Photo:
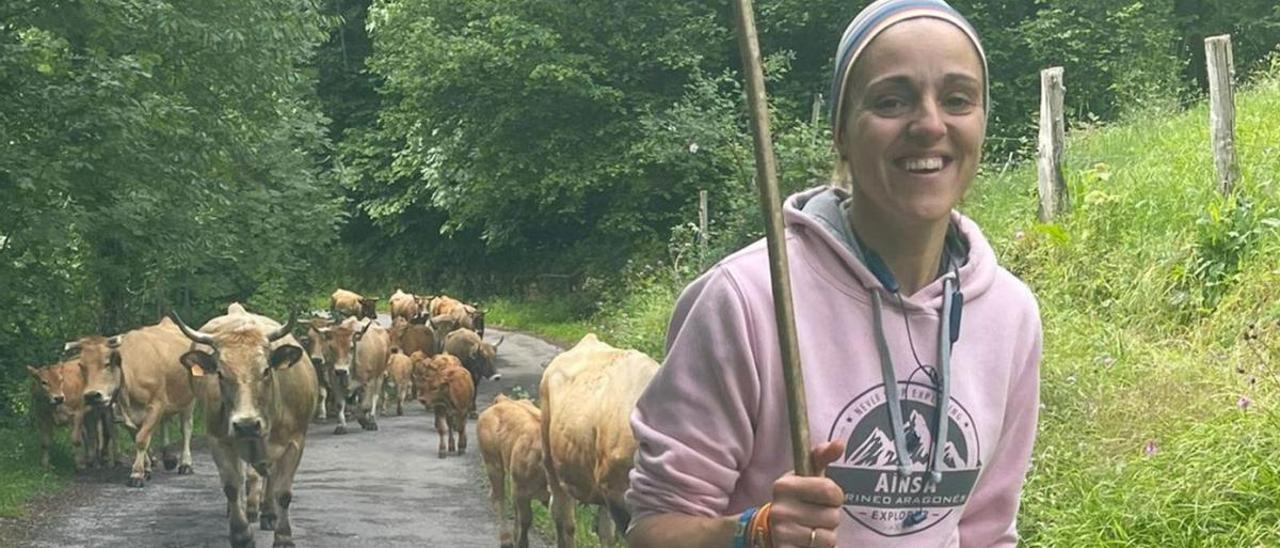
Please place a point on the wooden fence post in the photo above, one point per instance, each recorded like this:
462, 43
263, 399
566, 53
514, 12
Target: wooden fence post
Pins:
1052, 186
702, 228
1222, 109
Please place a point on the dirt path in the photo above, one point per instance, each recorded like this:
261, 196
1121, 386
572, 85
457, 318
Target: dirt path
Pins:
384, 488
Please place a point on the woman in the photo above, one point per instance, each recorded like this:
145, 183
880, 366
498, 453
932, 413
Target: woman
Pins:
885, 279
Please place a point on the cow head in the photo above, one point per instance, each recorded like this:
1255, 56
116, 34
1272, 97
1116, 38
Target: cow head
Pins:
369, 307
49, 381
244, 365
483, 356
340, 346
100, 362
398, 327
313, 342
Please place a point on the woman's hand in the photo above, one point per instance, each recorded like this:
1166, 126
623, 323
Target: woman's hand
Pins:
806, 510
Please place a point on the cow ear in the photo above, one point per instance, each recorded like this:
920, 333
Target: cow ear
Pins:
199, 362
285, 356
35, 373
114, 361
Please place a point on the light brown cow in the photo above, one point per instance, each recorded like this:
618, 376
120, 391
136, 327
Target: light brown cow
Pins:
587, 395
510, 437
444, 387
90, 430
345, 304
403, 305
412, 337
138, 377
400, 373
258, 390
358, 354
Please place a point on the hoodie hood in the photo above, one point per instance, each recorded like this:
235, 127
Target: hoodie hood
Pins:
977, 271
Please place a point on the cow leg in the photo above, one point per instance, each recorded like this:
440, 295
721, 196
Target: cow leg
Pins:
268, 504
402, 392
322, 396
253, 495
498, 496
170, 462
231, 471
562, 506
369, 403
188, 415
77, 439
605, 530
524, 519
442, 430
280, 488
341, 402
460, 425
142, 444
45, 425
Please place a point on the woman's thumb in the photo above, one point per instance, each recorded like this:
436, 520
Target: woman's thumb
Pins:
824, 454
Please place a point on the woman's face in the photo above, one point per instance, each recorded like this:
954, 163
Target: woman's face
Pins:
914, 121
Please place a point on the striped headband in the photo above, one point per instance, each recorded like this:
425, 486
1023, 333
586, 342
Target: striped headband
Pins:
871, 21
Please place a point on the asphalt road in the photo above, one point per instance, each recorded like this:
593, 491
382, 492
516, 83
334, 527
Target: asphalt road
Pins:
383, 488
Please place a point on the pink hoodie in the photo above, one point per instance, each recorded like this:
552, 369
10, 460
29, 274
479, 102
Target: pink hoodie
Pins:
712, 426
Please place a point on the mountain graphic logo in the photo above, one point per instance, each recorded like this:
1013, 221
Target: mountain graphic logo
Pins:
877, 449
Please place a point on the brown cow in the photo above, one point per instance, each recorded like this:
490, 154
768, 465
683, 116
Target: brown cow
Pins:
399, 372
90, 428
345, 304
138, 377
403, 305
588, 394
358, 354
510, 437
412, 337
476, 356
444, 387
258, 390
313, 343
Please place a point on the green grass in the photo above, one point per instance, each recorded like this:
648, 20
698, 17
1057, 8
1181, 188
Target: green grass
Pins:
21, 477
1145, 287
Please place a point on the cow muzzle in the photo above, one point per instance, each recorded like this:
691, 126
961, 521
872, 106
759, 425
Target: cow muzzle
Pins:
249, 427
97, 399
56, 400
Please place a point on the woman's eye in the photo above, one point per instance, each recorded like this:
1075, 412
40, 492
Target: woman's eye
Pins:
889, 105
958, 103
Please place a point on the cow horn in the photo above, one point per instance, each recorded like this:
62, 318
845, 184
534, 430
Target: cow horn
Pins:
73, 345
499, 343
113, 341
197, 336
284, 329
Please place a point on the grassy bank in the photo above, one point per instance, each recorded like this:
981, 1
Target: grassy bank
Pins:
1161, 308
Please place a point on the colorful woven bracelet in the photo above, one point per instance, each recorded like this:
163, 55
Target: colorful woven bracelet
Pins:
760, 534
741, 532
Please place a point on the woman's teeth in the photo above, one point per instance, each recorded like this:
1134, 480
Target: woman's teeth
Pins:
924, 164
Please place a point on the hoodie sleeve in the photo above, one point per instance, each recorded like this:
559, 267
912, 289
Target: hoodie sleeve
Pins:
693, 424
990, 517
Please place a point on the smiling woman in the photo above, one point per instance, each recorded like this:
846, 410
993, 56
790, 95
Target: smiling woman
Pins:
927, 440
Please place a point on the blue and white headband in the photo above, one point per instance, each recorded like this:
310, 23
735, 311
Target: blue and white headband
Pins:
873, 20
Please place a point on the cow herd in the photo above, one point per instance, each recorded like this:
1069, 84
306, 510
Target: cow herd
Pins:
260, 388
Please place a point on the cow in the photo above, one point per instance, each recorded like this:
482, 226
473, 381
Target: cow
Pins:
137, 376
445, 388
403, 305
258, 390
510, 437
399, 372
358, 354
90, 430
313, 343
344, 304
588, 393
412, 336
476, 355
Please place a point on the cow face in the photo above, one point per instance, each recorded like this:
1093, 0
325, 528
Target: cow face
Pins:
244, 365
369, 307
49, 382
484, 357
100, 363
340, 346
314, 341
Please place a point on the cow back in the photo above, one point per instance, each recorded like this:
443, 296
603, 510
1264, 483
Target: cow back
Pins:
151, 371
510, 433
371, 353
588, 394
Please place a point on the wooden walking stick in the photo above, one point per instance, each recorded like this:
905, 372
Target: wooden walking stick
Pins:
770, 205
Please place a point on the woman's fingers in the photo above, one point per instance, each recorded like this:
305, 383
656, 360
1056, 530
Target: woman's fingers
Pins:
817, 491
824, 454
792, 535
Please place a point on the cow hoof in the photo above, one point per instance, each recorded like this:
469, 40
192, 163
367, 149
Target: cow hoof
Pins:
442, 454
373, 426
170, 463
340, 430
473, 415
185, 470
267, 522
283, 543
243, 542
250, 516
399, 412
136, 482
148, 475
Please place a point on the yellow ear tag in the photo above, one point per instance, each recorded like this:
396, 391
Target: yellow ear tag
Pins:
197, 371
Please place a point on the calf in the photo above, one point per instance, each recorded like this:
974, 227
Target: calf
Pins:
359, 356
476, 356
510, 437
399, 372
446, 388
90, 429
